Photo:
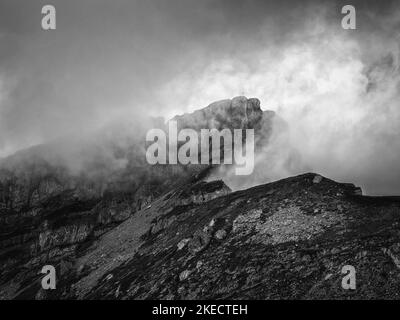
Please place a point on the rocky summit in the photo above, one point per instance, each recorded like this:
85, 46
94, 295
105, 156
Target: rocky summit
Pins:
172, 232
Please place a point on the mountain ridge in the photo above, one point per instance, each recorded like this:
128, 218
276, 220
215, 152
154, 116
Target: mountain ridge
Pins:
179, 232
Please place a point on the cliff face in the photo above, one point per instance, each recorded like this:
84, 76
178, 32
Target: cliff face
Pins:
239, 112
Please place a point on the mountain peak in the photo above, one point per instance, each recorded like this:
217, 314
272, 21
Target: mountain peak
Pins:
237, 113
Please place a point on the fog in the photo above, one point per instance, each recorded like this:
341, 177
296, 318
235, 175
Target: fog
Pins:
337, 89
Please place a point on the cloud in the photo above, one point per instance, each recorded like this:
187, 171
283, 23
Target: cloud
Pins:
341, 100
337, 89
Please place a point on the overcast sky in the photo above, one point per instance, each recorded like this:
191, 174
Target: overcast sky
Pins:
338, 89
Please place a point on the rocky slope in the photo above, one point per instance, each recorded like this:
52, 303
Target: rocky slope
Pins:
57, 197
170, 233
286, 239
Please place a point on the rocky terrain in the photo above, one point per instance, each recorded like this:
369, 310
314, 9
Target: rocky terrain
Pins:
171, 232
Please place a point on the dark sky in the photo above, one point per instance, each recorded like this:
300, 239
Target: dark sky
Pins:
338, 89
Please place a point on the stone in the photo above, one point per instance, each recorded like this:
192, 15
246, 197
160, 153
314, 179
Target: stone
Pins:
184, 275
328, 276
199, 264
117, 291
182, 243
220, 234
199, 241
317, 179
109, 277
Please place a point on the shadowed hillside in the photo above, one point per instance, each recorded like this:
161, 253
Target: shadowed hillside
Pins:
172, 232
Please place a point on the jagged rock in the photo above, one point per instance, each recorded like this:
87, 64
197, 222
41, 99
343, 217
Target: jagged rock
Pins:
239, 112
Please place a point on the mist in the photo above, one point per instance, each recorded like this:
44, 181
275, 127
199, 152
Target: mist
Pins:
337, 90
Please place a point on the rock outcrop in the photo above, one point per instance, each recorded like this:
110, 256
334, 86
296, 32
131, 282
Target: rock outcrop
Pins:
238, 113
